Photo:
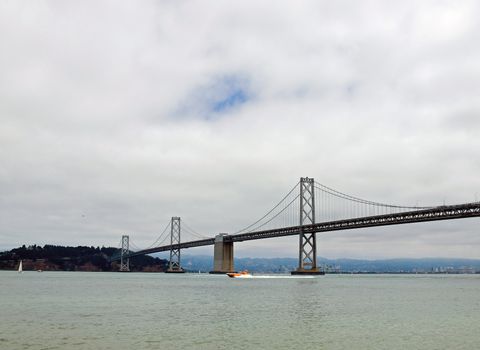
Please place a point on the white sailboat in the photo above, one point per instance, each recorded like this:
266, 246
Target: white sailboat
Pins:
20, 267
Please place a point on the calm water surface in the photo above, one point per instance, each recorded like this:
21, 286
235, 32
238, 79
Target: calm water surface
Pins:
79, 310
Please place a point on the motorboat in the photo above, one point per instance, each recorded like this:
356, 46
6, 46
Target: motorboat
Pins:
241, 274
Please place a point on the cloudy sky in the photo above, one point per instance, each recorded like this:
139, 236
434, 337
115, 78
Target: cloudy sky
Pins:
117, 115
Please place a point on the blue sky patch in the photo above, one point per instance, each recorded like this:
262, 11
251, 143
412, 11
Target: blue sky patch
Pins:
235, 98
216, 99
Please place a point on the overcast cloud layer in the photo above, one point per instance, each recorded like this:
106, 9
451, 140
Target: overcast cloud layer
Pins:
117, 115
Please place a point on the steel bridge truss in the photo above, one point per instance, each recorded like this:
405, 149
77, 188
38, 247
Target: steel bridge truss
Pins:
124, 254
174, 264
449, 212
434, 214
307, 260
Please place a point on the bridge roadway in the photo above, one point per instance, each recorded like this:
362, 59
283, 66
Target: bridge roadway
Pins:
447, 212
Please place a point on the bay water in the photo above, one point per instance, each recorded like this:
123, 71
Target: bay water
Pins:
83, 310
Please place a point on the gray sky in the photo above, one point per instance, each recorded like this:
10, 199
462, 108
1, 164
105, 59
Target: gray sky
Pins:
117, 115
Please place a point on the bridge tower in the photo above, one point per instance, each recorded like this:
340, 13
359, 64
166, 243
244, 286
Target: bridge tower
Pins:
174, 265
307, 260
125, 261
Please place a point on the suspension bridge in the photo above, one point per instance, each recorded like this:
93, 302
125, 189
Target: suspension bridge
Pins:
307, 209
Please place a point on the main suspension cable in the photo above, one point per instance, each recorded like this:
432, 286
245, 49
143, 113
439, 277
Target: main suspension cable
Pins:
275, 207
276, 215
339, 194
160, 236
192, 231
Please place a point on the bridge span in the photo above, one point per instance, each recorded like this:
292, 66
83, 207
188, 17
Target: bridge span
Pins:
384, 214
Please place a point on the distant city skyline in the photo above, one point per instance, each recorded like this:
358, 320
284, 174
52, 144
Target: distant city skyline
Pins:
116, 116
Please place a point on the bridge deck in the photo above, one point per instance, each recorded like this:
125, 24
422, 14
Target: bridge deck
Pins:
448, 212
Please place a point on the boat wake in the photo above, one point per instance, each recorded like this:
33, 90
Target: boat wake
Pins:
278, 277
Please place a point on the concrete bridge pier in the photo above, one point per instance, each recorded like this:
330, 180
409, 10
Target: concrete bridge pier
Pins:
222, 255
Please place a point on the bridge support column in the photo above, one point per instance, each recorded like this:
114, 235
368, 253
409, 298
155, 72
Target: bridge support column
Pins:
125, 262
174, 265
307, 261
222, 255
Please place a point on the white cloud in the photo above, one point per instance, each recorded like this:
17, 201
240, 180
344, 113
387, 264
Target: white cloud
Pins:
377, 99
